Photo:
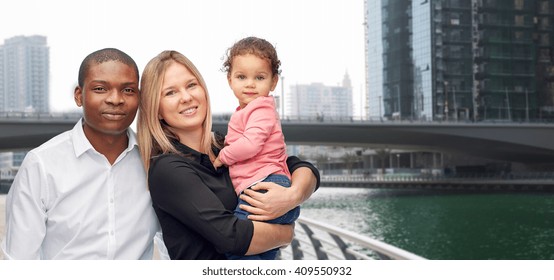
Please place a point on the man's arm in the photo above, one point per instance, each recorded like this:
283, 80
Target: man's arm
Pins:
25, 214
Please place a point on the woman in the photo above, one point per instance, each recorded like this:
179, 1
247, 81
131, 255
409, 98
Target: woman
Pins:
194, 202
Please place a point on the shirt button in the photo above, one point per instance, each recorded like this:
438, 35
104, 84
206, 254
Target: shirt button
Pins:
111, 200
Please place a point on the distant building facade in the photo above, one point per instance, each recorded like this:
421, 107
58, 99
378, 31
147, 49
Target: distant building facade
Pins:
460, 59
24, 85
24, 74
324, 103
317, 100
11, 159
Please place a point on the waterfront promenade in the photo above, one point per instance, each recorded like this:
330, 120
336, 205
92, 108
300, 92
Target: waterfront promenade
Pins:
529, 181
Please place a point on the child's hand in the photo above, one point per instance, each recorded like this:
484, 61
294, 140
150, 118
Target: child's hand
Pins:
217, 163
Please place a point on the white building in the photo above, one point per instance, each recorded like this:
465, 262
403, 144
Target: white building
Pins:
324, 103
24, 74
24, 84
318, 100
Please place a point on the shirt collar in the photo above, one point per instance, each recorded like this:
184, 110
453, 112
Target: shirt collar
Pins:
202, 159
132, 139
81, 144
185, 150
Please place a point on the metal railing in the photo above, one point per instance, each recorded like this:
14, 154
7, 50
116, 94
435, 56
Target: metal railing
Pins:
40, 116
513, 176
315, 240
292, 118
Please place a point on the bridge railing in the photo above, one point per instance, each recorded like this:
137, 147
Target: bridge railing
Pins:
315, 240
363, 119
40, 116
289, 118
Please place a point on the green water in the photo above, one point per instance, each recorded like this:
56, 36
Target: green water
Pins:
444, 225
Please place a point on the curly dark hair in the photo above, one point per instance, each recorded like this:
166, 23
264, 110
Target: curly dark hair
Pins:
255, 46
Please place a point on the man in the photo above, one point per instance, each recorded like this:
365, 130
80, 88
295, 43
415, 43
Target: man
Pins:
83, 194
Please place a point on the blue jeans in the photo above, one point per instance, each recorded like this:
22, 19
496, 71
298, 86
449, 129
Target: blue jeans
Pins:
287, 218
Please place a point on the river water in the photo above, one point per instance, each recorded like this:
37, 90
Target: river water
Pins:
444, 225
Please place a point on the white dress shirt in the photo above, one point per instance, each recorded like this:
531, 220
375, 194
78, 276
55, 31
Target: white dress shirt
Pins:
68, 202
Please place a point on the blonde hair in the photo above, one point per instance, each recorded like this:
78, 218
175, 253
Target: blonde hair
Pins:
154, 135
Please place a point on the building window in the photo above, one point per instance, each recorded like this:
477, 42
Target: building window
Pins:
519, 36
544, 7
545, 56
545, 39
545, 23
519, 20
519, 4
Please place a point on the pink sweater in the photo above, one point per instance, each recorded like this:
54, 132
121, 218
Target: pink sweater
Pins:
254, 145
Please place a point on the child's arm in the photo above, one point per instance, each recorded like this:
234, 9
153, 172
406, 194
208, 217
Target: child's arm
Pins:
262, 117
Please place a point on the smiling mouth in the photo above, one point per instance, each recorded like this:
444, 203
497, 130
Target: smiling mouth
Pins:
114, 116
189, 111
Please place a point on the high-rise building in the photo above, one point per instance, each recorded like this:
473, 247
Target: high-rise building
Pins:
461, 59
24, 74
324, 103
24, 84
373, 59
318, 100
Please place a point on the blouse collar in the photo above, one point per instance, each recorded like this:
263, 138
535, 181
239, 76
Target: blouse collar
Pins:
197, 156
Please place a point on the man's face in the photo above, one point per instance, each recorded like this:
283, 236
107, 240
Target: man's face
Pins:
110, 98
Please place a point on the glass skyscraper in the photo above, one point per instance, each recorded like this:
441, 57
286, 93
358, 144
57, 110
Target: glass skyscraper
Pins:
467, 60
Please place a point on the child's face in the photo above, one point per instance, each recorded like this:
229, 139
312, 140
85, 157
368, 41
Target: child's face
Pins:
251, 77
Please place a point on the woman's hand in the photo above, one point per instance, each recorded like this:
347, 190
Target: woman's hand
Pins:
275, 202
278, 200
217, 163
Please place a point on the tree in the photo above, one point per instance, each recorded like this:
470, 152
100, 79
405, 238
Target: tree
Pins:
321, 160
349, 159
382, 155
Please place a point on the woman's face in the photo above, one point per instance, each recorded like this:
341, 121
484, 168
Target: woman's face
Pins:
183, 103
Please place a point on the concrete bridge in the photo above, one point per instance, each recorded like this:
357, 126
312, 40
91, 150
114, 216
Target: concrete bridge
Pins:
508, 141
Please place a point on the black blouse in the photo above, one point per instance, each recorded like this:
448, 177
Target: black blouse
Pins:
194, 204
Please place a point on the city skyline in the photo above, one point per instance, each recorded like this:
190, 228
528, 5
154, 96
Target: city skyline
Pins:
460, 60
317, 41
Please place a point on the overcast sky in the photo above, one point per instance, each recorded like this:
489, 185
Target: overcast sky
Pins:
316, 40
